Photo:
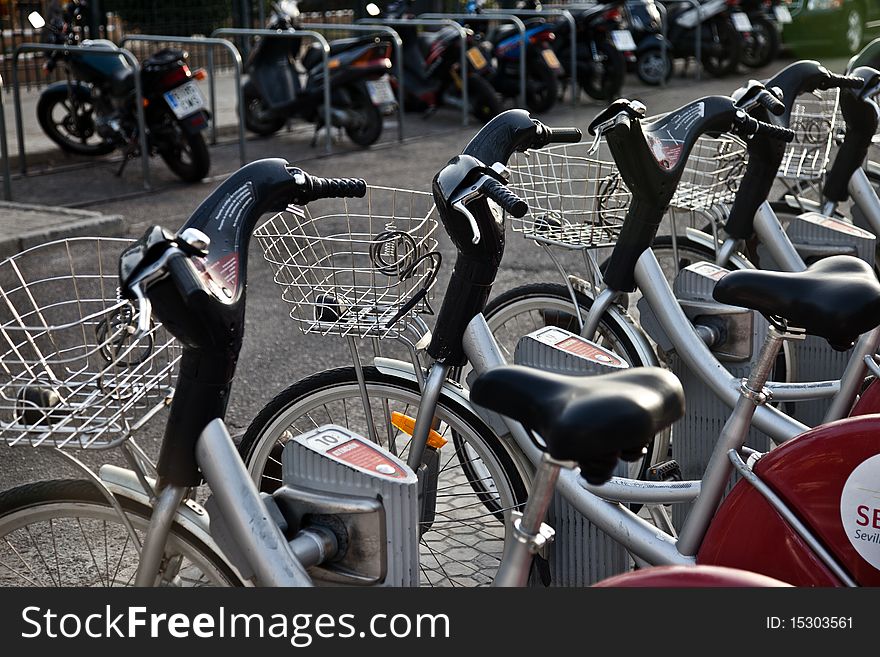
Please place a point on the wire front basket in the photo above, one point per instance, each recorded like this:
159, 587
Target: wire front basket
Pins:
576, 198
355, 267
813, 119
712, 174
73, 370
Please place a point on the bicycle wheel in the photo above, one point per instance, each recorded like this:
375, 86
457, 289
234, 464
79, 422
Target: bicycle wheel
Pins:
65, 533
527, 308
463, 542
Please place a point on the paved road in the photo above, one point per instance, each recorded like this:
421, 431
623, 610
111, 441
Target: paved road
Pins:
275, 353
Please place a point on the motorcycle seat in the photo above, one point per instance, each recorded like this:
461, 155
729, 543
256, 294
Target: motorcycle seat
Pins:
593, 11
836, 298
427, 39
312, 56
587, 419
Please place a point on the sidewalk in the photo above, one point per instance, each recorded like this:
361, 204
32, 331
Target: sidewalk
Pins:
23, 225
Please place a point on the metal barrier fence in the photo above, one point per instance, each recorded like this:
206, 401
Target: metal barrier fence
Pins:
212, 92
291, 34
572, 25
510, 18
431, 22
91, 50
4, 151
397, 43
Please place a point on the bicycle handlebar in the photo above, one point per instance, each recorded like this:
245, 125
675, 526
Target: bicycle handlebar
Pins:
835, 81
747, 127
512, 131
510, 202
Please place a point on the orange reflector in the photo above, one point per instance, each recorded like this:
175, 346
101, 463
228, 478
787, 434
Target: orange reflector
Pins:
200, 74
408, 425
146, 102
333, 63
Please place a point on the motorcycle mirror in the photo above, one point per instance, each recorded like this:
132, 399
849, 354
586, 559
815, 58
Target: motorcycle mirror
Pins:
373, 9
36, 20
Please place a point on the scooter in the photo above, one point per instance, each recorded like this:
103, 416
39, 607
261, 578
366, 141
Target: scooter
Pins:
543, 69
93, 111
654, 62
767, 18
431, 67
721, 44
274, 93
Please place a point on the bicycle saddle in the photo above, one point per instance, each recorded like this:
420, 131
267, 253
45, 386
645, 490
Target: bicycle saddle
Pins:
837, 298
589, 419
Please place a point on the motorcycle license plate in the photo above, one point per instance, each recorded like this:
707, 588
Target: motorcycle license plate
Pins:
380, 92
476, 59
741, 22
783, 15
185, 99
550, 59
623, 40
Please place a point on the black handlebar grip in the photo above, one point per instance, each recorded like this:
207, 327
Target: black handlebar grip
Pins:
843, 82
337, 188
564, 135
772, 103
776, 132
511, 203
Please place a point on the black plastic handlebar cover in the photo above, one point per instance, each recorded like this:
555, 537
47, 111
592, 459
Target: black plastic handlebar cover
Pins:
507, 133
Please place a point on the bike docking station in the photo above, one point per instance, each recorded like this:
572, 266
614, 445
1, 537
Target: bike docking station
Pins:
212, 43
396, 43
4, 149
572, 26
90, 50
294, 34
428, 22
508, 18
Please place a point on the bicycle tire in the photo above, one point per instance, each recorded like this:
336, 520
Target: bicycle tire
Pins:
452, 558
63, 504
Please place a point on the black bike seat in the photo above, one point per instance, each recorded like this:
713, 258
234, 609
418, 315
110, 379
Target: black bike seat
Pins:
585, 418
836, 298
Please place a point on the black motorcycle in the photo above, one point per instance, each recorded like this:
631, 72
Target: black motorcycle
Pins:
721, 41
654, 61
93, 111
274, 92
432, 69
766, 17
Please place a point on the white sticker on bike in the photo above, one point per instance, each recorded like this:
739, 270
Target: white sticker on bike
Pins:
860, 510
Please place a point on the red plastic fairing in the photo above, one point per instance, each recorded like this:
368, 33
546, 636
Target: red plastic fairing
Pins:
690, 577
869, 401
809, 474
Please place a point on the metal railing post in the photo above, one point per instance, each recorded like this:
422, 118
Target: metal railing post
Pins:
4, 150
325, 58
237, 70
664, 32
91, 50
698, 38
572, 25
396, 41
419, 22
521, 28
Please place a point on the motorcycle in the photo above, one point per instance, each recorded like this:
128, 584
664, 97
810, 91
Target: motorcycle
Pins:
720, 27
432, 70
767, 18
273, 91
654, 61
543, 69
93, 111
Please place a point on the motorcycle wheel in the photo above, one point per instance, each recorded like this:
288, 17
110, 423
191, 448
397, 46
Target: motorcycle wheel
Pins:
541, 86
652, 67
258, 118
369, 124
765, 44
727, 56
188, 156
603, 80
484, 102
71, 124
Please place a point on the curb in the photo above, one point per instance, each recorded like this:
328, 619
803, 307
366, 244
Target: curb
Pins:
25, 225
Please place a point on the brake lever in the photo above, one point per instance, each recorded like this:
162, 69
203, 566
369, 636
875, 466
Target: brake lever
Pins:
460, 206
145, 311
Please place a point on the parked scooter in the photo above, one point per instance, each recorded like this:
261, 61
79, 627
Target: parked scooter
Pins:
432, 67
543, 69
654, 62
767, 18
93, 111
721, 43
274, 93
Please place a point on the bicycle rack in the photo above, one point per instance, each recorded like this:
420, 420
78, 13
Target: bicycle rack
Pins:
212, 92
4, 151
510, 18
572, 25
398, 51
290, 34
138, 93
424, 22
